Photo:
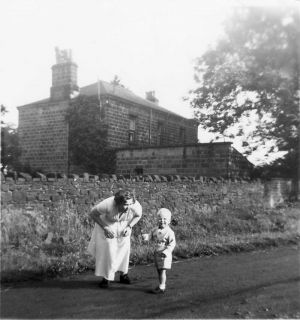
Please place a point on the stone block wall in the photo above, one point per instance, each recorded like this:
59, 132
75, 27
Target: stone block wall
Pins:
118, 114
279, 190
204, 159
43, 131
116, 117
151, 194
238, 164
43, 136
180, 195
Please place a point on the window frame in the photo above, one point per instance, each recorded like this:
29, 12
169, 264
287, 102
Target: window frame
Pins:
132, 130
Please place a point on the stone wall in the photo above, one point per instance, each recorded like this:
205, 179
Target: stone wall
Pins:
238, 164
180, 194
43, 131
204, 159
171, 194
118, 114
43, 135
279, 190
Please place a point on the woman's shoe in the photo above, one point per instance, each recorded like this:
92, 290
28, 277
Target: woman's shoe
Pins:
124, 279
104, 283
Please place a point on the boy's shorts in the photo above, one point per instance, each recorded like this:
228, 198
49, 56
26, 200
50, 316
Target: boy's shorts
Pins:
162, 263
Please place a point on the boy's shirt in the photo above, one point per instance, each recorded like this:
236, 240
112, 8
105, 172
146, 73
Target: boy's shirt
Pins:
164, 240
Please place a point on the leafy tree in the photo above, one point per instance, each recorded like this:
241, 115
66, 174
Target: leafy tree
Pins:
281, 167
3, 112
88, 137
248, 84
9, 144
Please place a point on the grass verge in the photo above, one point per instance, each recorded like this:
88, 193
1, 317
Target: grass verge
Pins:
52, 241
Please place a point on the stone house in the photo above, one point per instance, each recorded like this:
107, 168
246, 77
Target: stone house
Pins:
146, 137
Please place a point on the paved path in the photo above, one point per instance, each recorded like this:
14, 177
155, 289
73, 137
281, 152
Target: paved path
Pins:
261, 284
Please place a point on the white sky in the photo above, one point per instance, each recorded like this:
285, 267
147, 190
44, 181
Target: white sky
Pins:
149, 44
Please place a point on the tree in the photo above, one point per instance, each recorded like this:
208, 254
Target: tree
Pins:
248, 84
9, 144
87, 137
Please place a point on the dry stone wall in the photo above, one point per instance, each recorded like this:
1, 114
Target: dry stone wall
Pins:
153, 192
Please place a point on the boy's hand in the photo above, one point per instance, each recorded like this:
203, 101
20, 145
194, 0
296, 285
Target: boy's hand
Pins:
145, 237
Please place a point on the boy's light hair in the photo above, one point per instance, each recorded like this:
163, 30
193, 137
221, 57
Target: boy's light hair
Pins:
163, 212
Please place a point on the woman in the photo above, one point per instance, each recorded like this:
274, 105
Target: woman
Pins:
110, 242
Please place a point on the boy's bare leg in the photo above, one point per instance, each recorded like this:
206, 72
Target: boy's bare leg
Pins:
162, 277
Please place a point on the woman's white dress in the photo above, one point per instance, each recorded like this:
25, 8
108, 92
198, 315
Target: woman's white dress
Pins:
112, 255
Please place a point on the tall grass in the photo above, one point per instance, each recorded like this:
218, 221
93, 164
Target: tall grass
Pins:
216, 230
48, 241
52, 241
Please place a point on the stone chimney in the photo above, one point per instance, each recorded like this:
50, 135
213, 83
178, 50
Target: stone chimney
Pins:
150, 95
64, 76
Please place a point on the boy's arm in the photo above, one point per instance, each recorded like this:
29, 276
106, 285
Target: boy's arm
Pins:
170, 245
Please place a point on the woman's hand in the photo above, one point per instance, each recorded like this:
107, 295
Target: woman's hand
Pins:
126, 231
108, 233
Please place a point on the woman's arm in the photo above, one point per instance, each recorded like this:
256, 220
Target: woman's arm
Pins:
95, 216
137, 214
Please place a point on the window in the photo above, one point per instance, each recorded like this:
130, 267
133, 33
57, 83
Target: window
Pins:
139, 170
132, 123
131, 137
182, 135
132, 130
160, 133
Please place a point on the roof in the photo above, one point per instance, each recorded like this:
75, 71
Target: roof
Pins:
121, 92
35, 102
118, 91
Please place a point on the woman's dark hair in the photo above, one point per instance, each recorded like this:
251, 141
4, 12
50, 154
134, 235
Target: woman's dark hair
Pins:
123, 195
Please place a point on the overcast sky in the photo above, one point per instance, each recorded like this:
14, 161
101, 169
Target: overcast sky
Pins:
149, 44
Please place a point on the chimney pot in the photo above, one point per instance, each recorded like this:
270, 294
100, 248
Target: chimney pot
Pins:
150, 95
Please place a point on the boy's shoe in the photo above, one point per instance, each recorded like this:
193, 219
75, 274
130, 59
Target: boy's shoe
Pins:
124, 279
158, 290
104, 283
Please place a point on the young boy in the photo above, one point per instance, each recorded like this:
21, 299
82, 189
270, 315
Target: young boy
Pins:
164, 239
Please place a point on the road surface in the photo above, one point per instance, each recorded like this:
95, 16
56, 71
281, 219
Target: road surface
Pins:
260, 284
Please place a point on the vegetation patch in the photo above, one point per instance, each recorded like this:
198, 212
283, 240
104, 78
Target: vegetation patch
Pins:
53, 241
